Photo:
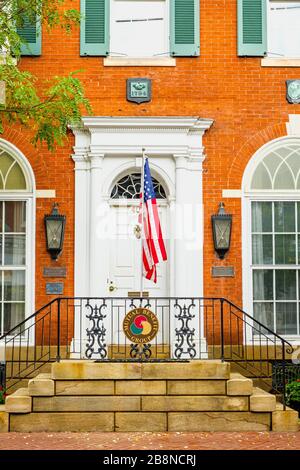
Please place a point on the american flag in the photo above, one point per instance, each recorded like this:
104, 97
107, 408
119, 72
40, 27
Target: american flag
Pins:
153, 244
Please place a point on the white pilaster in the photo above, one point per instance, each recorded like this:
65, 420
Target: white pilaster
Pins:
181, 266
82, 220
81, 255
97, 265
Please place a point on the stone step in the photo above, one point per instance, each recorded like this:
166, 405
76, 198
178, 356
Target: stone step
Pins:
18, 402
62, 422
141, 387
140, 422
239, 385
86, 404
196, 387
87, 370
137, 403
285, 420
134, 387
261, 401
3, 419
85, 387
41, 385
191, 396
195, 403
219, 421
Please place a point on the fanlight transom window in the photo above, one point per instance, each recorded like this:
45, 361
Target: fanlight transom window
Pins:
279, 170
129, 187
11, 173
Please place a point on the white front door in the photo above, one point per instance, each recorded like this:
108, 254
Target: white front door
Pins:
125, 254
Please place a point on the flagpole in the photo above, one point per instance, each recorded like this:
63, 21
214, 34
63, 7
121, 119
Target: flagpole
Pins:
142, 219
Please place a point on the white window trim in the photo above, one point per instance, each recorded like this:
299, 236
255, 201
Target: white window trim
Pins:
282, 62
247, 198
139, 62
30, 198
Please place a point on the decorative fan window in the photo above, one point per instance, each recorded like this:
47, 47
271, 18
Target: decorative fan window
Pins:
279, 170
11, 174
129, 187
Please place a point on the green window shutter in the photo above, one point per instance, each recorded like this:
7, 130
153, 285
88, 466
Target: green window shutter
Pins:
252, 27
31, 33
94, 28
185, 27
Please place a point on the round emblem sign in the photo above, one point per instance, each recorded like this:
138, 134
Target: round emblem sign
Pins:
140, 325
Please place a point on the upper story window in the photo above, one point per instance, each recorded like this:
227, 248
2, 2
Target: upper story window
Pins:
269, 28
283, 29
139, 28
129, 28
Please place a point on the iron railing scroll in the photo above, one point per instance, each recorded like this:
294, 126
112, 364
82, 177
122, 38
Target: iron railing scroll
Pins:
189, 329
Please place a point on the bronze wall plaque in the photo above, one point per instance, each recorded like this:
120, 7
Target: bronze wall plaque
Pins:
54, 288
60, 271
137, 294
222, 271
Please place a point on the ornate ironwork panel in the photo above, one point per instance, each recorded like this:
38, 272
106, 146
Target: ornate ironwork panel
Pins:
185, 335
96, 334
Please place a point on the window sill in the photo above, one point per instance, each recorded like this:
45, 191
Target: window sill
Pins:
274, 62
139, 62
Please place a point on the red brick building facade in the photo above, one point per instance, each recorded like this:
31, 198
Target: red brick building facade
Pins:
244, 96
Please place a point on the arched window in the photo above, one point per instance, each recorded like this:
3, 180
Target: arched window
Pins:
272, 183
278, 170
11, 174
129, 187
13, 240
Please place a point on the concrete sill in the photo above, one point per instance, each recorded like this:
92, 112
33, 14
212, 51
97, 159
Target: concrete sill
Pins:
139, 62
271, 62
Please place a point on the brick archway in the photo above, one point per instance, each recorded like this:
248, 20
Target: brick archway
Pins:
255, 142
21, 139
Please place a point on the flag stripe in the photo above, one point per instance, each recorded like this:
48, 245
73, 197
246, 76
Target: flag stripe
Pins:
153, 245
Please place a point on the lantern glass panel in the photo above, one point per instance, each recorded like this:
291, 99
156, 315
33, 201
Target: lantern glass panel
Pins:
222, 232
54, 233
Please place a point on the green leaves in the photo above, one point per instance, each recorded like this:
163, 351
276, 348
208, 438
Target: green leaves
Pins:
49, 107
293, 392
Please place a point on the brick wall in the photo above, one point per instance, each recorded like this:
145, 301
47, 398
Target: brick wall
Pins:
246, 101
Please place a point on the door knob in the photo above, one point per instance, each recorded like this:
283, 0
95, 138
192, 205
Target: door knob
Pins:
112, 287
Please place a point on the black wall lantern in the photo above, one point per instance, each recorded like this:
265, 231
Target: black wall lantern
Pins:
55, 231
221, 226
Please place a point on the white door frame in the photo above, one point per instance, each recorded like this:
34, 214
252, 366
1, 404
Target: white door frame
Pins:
105, 148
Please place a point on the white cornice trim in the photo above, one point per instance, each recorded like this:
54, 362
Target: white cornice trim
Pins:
183, 124
137, 150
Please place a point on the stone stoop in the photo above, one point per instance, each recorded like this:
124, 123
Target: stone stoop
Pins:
86, 396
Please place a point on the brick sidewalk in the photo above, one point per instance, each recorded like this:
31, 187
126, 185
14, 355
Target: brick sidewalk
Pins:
151, 441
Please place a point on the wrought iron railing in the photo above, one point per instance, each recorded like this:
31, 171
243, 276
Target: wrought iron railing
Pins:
189, 329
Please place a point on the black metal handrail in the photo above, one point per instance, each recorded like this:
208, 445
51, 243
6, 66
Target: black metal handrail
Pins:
189, 328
